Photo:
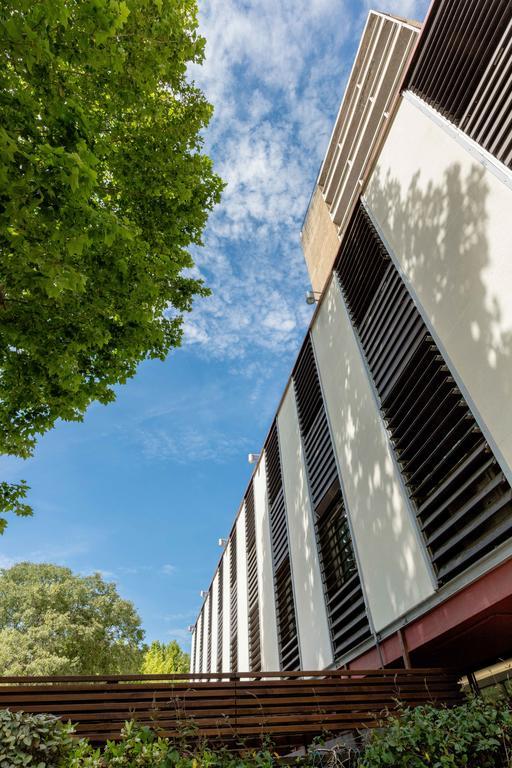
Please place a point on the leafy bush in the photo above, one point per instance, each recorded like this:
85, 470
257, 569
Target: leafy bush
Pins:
477, 734
474, 735
141, 747
33, 741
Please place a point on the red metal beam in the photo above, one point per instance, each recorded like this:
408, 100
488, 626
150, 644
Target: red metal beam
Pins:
482, 609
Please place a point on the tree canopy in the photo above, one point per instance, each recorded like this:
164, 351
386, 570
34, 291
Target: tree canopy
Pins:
165, 658
53, 621
104, 186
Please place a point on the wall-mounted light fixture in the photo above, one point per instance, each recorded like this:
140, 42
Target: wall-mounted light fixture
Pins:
222, 542
203, 592
252, 458
312, 297
190, 628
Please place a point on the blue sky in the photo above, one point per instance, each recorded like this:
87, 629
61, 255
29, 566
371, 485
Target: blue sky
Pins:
142, 490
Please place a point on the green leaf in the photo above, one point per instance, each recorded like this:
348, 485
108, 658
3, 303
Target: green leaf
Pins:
105, 191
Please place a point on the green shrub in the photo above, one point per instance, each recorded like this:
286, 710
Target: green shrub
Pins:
141, 747
474, 735
33, 741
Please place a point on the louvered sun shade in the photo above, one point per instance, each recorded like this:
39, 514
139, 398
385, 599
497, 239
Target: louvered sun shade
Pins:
464, 69
461, 497
288, 640
346, 609
220, 615
200, 630
233, 605
252, 583
209, 633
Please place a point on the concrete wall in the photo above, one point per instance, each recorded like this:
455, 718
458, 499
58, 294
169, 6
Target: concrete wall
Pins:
226, 667
268, 624
315, 644
394, 566
447, 219
215, 619
241, 588
319, 240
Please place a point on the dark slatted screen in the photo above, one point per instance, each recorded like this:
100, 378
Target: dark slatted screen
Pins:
252, 583
462, 499
463, 68
234, 606
209, 633
342, 585
288, 640
200, 624
220, 615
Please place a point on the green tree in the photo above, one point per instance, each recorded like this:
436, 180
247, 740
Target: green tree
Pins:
165, 658
103, 187
53, 621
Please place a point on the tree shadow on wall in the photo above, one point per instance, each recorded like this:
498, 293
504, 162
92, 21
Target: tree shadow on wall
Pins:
443, 234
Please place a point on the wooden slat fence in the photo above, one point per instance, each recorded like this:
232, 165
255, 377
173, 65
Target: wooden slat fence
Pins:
290, 707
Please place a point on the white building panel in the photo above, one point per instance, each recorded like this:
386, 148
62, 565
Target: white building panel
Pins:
206, 613
446, 217
215, 619
313, 630
395, 573
241, 586
268, 624
226, 623
192, 651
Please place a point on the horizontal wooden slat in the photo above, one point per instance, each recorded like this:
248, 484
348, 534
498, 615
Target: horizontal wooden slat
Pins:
282, 705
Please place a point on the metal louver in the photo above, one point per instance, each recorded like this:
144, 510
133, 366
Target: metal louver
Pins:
288, 640
200, 648
209, 633
462, 500
252, 583
233, 648
464, 69
220, 614
346, 609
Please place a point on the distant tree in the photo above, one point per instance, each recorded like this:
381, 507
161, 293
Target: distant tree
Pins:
103, 188
53, 621
165, 658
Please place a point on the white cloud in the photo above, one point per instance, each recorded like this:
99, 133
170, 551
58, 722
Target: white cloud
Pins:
181, 634
407, 9
274, 75
168, 569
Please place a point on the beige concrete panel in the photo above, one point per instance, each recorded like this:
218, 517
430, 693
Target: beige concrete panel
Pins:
215, 619
226, 619
266, 599
447, 219
392, 559
241, 588
314, 639
319, 240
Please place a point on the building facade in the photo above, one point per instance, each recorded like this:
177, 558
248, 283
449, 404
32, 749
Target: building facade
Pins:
377, 526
